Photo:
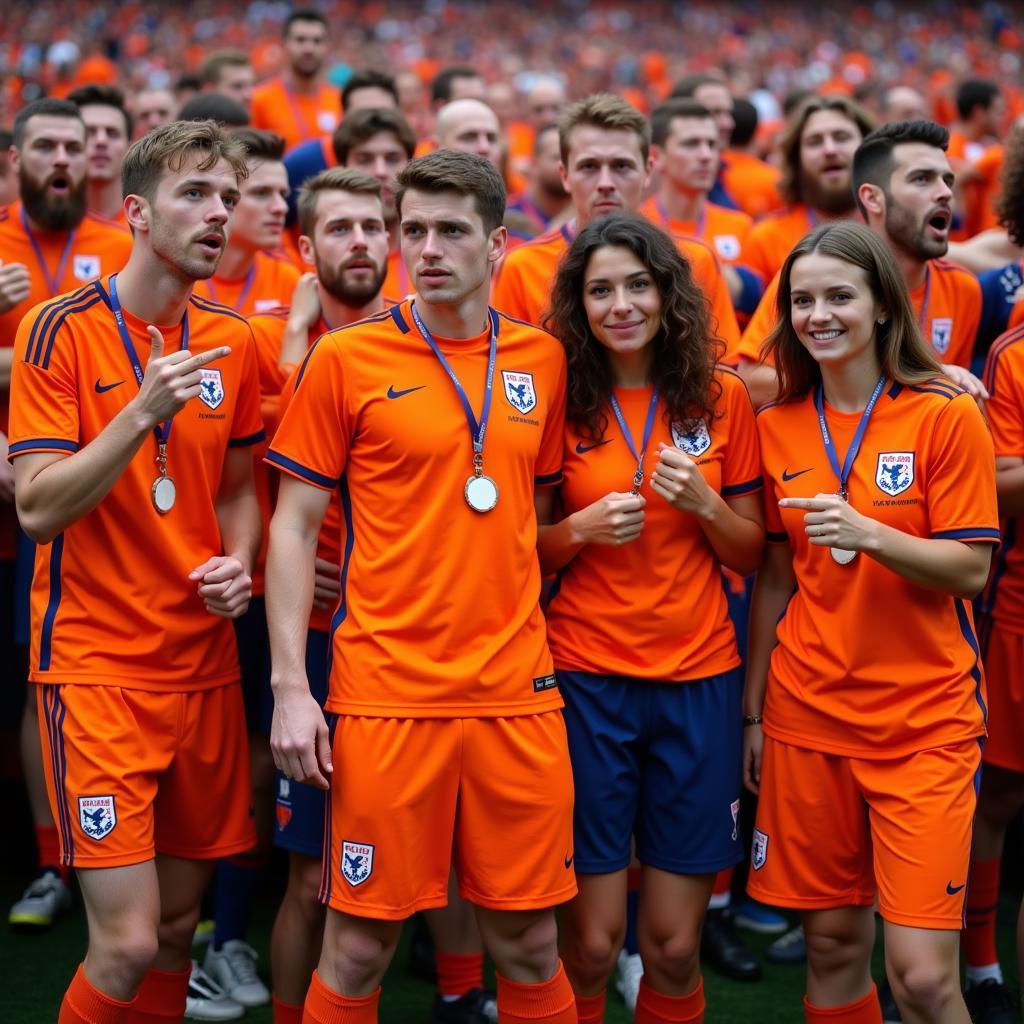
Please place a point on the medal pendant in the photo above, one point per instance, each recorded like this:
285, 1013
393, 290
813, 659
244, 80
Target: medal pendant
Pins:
638, 480
481, 493
164, 494
841, 556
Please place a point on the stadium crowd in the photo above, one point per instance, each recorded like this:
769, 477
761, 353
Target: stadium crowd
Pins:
516, 459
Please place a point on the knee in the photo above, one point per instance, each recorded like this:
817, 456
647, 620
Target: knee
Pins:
303, 891
524, 945
177, 929
674, 954
924, 985
120, 956
591, 953
358, 959
831, 951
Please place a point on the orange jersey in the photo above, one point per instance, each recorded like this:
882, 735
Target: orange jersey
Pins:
397, 281
112, 603
751, 183
654, 608
297, 117
269, 284
523, 287
867, 663
723, 229
439, 612
769, 242
947, 305
1004, 380
989, 185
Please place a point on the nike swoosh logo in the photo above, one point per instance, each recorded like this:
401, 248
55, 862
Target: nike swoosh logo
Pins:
392, 393
100, 388
787, 476
582, 449
568, 861
953, 889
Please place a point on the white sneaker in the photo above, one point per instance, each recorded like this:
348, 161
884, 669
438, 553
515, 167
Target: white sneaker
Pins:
46, 898
233, 967
627, 978
206, 999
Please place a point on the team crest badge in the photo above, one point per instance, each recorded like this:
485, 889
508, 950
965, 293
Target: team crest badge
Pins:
759, 853
211, 388
356, 862
86, 268
691, 437
97, 815
728, 246
895, 472
283, 813
942, 334
519, 390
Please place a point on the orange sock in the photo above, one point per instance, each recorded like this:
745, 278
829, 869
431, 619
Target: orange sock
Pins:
325, 1006
458, 973
657, 1008
48, 847
161, 997
550, 1002
590, 1009
285, 1013
864, 1011
979, 937
84, 1004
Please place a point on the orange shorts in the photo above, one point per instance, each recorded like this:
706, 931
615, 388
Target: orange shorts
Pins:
837, 831
132, 773
1004, 680
410, 794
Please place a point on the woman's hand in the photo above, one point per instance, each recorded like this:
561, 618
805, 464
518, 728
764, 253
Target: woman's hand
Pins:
831, 522
615, 519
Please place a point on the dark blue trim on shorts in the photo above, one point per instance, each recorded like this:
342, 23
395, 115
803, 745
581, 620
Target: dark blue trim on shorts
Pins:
54, 712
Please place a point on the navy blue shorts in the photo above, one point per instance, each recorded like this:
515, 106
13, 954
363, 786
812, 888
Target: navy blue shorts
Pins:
660, 761
299, 810
254, 662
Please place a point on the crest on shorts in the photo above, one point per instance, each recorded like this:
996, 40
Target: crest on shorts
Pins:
86, 268
942, 334
519, 390
895, 472
759, 852
211, 388
691, 437
97, 815
356, 862
735, 808
728, 246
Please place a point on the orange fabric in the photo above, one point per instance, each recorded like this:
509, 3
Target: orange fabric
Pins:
414, 635
325, 1006
1003, 651
48, 848
770, 241
71, 377
670, 571
161, 997
722, 229
751, 183
273, 281
657, 1008
523, 288
459, 973
989, 185
590, 1009
864, 1011
723, 882
397, 281
445, 788
829, 688
294, 116
285, 1013
550, 1002
84, 1004
134, 766
872, 832
1016, 314
948, 323
980, 158
979, 937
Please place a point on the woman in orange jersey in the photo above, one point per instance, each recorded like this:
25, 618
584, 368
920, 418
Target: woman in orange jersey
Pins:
660, 479
863, 661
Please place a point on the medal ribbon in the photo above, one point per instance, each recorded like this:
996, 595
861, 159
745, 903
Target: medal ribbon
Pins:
701, 220
300, 120
638, 476
162, 431
843, 475
53, 283
477, 430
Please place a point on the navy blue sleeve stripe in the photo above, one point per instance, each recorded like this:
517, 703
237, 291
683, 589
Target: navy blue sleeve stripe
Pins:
977, 532
305, 360
395, 312
744, 488
52, 338
208, 306
45, 325
283, 462
245, 442
43, 444
550, 478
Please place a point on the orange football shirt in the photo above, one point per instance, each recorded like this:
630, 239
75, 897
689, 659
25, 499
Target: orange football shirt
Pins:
721, 228
751, 183
867, 663
112, 603
269, 284
439, 615
654, 608
296, 117
770, 241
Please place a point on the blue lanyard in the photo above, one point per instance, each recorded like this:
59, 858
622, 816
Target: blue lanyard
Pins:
569, 232
638, 476
477, 430
243, 295
53, 283
162, 431
843, 475
666, 220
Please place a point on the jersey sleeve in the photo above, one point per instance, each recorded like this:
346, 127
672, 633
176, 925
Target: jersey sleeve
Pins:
1005, 407
312, 442
45, 409
960, 482
741, 466
247, 428
761, 324
509, 288
969, 304
752, 251
552, 443
775, 531
267, 334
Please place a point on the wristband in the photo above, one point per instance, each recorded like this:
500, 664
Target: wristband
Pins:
752, 720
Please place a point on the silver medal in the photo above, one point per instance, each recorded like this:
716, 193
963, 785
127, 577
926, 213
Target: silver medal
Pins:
164, 494
842, 556
481, 493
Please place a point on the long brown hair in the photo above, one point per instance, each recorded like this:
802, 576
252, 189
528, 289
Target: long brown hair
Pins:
902, 351
685, 351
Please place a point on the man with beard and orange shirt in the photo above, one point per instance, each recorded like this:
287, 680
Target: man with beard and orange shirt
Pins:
108, 132
48, 245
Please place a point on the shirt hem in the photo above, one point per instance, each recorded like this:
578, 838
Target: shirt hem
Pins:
876, 752
55, 678
359, 710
